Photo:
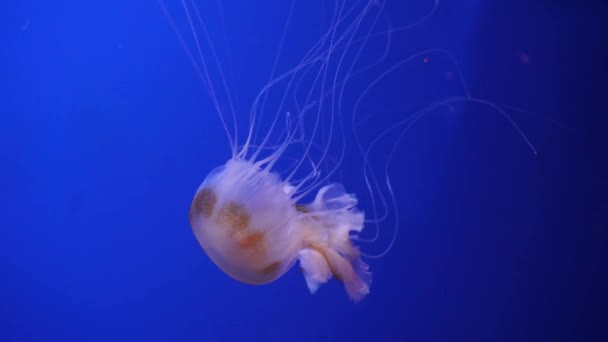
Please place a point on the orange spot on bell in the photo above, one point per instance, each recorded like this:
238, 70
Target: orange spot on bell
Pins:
254, 240
234, 216
272, 268
203, 203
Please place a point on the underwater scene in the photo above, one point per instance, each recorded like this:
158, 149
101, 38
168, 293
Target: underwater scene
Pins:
290, 170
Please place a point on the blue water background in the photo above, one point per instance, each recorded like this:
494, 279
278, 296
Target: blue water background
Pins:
106, 132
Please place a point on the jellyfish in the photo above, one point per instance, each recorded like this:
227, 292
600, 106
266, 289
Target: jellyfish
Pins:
254, 223
246, 219
255, 220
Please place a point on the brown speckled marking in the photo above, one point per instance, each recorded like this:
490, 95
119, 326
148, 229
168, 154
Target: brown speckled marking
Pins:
271, 269
254, 240
234, 216
204, 203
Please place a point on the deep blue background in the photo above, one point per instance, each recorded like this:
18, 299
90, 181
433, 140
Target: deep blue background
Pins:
105, 135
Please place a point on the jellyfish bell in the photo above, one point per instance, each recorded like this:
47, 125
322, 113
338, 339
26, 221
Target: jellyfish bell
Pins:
247, 221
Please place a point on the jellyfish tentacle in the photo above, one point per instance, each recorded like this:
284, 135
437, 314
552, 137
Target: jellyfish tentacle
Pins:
220, 70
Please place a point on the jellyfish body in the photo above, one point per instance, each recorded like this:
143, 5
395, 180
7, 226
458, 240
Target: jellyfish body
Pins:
250, 221
254, 224
246, 220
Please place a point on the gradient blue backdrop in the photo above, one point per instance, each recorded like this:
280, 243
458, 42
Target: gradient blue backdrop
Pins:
106, 133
